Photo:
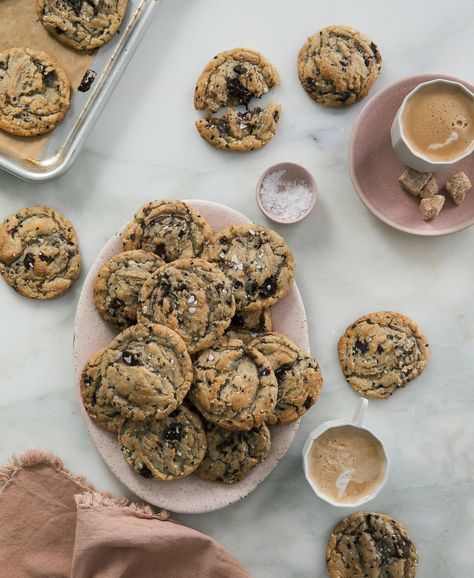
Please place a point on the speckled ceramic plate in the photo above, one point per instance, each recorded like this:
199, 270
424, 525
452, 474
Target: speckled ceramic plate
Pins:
374, 168
191, 494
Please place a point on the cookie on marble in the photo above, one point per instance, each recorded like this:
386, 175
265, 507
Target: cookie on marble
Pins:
241, 131
297, 373
370, 544
231, 455
381, 353
93, 396
118, 285
39, 254
338, 66
457, 187
413, 181
168, 449
234, 386
169, 229
82, 24
233, 78
191, 296
430, 207
35, 92
246, 326
146, 372
257, 261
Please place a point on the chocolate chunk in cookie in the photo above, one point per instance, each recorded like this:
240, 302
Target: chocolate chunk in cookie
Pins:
166, 450
257, 261
39, 255
247, 326
34, 92
382, 352
367, 544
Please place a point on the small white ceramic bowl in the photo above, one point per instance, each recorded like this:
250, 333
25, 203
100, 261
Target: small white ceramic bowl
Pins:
293, 172
407, 155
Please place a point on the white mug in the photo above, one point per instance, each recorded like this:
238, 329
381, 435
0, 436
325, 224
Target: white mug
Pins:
407, 155
357, 421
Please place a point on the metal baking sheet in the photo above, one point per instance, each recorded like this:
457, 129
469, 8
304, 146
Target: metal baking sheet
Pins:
51, 155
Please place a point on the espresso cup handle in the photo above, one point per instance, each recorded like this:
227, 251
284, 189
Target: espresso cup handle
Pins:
359, 414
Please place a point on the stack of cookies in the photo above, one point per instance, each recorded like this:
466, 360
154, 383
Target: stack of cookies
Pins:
196, 375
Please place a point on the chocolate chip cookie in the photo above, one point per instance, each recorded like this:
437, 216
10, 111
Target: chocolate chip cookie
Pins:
119, 282
146, 372
366, 544
166, 450
234, 386
257, 261
241, 131
39, 255
234, 77
338, 66
82, 24
191, 296
170, 229
232, 454
93, 396
382, 352
246, 326
34, 92
298, 376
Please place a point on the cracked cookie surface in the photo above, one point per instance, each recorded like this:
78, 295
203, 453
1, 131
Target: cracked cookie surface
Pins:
246, 326
381, 352
234, 386
170, 229
166, 450
39, 254
370, 544
81, 24
34, 92
231, 455
191, 296
118, 284
297, 373
257, 261
146, 372
338, 66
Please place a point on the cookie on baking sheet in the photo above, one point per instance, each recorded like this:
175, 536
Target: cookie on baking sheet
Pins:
232, 454
146, 372
166, 450
81, 24
257, 261
234, 386
118, 285
93, 396
234, 77
338, 66
39, 254
35, 92
298, 376
241, 131
369, 544
191, 296
382, 352
246, 326
170, 229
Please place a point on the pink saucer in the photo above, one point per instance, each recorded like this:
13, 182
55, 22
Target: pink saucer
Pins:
374, 168
190, 494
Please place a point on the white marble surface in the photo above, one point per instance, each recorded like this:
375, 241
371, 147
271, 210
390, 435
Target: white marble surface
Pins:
145, 146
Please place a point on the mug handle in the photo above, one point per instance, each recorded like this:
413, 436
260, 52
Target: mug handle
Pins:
359, 414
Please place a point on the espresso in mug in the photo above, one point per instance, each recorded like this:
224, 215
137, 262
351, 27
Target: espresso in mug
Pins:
438, 122
347, 464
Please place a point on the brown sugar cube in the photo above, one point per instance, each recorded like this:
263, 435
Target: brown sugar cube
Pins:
430, 189
457, 186
413, 181
431, 206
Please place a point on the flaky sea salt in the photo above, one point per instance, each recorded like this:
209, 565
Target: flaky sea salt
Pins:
287, 200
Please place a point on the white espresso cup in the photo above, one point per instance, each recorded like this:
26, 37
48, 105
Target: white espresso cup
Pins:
407, 155
356, 422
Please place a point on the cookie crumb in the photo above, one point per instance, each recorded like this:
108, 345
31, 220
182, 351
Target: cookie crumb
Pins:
431, 206
457, 186
413, 181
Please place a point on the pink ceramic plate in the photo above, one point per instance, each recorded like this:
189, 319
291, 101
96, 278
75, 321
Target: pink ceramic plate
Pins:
374, 168
191, 494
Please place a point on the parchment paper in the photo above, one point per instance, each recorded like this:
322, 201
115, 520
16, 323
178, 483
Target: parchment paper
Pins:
20, 26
